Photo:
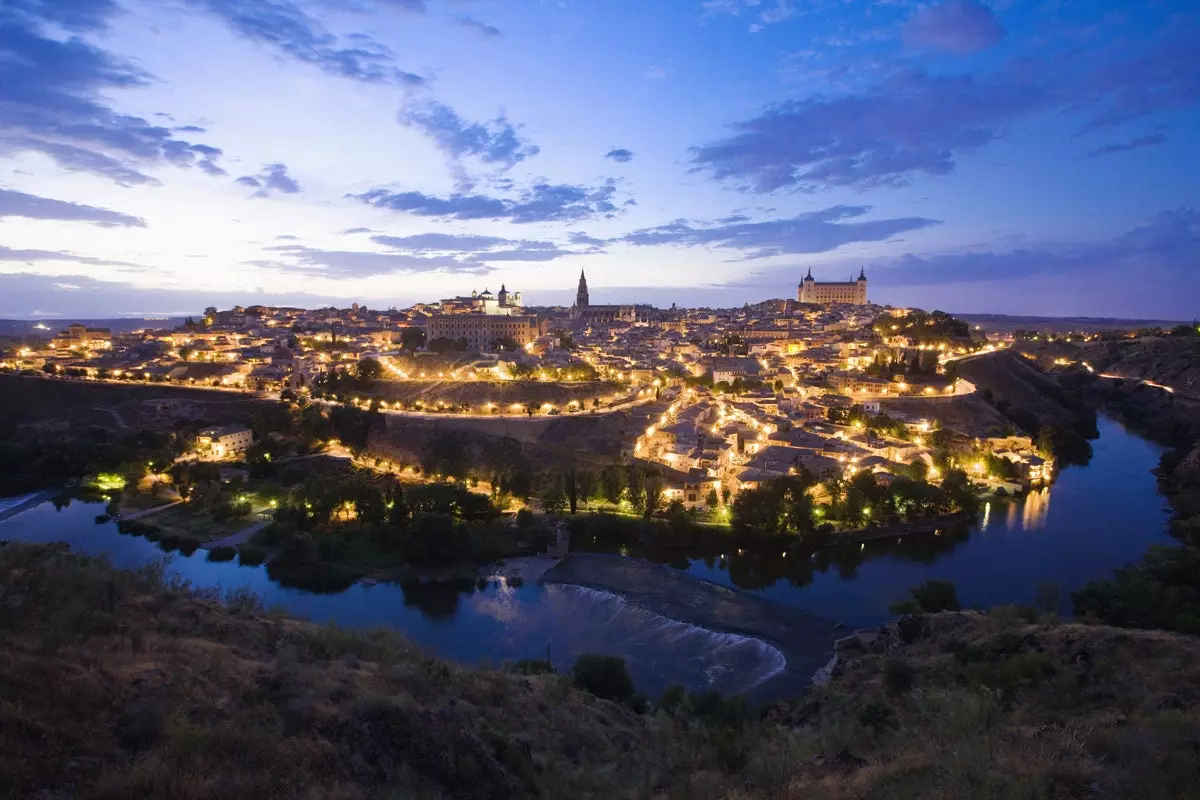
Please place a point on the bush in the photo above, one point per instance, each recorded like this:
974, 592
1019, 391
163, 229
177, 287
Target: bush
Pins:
877, 715
929, 597
250, 555
533, 666
672, 699
1013, 673
898, 676
222, 553
604, 676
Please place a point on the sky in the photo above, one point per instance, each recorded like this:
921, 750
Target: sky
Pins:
1033, 157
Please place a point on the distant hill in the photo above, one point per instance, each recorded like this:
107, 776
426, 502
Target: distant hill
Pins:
49, 327
1003, 323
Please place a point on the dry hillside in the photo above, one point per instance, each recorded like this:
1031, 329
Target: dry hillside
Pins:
119, 685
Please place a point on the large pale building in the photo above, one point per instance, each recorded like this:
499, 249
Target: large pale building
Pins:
482, 331
822, 293
504, 303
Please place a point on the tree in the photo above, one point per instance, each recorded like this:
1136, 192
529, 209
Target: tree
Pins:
653, 495
446, 454
930, 597
412, 338
554, 500
368, 370
612, 484
604, 676
505, 343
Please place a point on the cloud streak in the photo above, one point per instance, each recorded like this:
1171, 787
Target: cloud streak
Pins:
284, 27
28, 206
956, 26
1133, 144
917, 124
542, 202
482, 28
273, 178
811, 232
52, 98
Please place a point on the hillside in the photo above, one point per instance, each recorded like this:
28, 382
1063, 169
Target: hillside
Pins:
121, 684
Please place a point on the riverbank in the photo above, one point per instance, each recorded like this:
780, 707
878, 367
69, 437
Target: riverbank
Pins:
132, 686
805, 640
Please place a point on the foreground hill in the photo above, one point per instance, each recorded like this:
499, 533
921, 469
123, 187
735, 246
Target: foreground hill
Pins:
119, 684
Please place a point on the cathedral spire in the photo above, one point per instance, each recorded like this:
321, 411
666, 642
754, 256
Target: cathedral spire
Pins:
862, 275
581, 294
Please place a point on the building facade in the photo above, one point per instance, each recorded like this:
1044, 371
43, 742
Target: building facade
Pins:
503, 303
823, 293
482, 331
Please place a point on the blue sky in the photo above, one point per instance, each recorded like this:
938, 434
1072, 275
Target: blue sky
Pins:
1022, 156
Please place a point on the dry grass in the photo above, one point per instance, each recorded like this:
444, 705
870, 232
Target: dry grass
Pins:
121, 684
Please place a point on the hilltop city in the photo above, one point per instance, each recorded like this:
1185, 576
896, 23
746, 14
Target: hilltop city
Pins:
718, 401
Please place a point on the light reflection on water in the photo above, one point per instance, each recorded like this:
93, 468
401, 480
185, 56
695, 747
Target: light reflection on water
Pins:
1103, 515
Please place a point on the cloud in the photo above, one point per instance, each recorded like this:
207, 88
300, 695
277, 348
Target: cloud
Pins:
360, 264
492, 142
543, 202
1165, 245
287, 237
19, 204
190, 129
955, 26
440, 242
30, 256
350, 231
780, 11
472, 24
578, 237
476, 249
283, 26
914, 123
1132, 144
273, 178
27, 294
619, 154
811, 232
52, 97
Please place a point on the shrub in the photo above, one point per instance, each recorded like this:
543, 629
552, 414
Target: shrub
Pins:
222, 553
672, 699
929, 597
1013, 673
877, 715
898, 676
250, 555
910, 627
533, 666
604, 676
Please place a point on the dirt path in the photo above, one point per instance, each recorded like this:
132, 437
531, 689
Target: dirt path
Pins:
147, 512
241, 537
116, 415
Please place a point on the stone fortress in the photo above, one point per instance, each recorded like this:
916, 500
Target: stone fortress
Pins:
852, 292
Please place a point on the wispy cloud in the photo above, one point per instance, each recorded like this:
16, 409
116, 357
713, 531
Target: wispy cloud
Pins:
53, 97
619, 154
273, 178
542, 202
472, 24
1132, 144
19, 204
285, 27
811, 232
955, 26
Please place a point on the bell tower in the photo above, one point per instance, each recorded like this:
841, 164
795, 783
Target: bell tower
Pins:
581, 294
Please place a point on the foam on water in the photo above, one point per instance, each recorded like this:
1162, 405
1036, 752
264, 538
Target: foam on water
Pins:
654, 645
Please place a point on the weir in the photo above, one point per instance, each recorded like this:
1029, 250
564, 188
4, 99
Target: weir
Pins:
726, 621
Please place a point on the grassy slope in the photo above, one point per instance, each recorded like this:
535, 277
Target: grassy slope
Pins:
119, 685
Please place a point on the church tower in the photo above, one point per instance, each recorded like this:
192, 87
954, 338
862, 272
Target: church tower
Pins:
804, 292
581, 294
860, 286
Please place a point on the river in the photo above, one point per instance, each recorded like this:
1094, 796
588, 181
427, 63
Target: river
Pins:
1093, 519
